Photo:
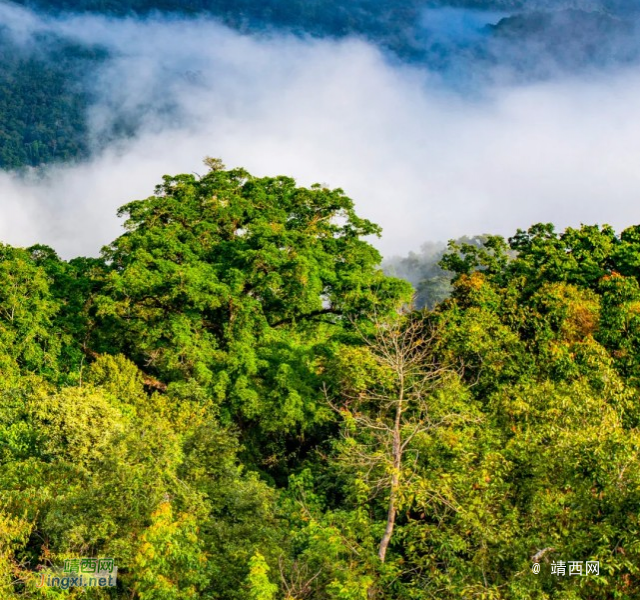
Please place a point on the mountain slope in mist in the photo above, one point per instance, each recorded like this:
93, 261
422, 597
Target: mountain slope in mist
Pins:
388, 22
48, 96
482, 128
568, 39
43, 100
611, 6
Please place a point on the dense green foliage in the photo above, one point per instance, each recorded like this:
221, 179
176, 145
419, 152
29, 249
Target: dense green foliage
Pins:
43, 102
235, 403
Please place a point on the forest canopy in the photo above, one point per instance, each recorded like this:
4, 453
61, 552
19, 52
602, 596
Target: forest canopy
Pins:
234, 402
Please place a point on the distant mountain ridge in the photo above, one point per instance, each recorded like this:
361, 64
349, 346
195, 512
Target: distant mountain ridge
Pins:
608, 6
570, 39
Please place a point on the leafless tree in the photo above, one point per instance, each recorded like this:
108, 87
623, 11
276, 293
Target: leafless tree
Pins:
384, 419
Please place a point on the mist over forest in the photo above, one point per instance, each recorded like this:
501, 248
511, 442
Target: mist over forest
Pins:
427, 104
320, 300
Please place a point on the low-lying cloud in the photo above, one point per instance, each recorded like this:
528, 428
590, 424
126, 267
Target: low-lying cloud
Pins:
425, 162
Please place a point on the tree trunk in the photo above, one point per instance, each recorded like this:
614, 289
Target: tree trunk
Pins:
395, 479
391, 519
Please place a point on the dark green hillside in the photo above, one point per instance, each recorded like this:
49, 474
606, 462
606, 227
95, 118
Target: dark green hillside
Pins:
43, 102
382, 22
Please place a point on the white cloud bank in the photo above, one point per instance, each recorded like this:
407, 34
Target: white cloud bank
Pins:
421, 161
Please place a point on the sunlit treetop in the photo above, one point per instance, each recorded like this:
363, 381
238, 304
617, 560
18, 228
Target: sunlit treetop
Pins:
217, 275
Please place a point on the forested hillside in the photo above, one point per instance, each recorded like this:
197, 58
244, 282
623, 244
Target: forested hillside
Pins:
51, 85
328, 17
234, 402
43, 102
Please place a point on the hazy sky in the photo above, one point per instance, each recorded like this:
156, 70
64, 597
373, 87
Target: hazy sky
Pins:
423, 160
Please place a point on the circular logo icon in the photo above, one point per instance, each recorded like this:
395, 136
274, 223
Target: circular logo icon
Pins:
535, 568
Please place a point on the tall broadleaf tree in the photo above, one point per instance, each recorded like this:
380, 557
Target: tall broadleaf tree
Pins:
235, 284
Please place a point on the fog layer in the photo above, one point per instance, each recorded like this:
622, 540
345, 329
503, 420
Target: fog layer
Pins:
418, 156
